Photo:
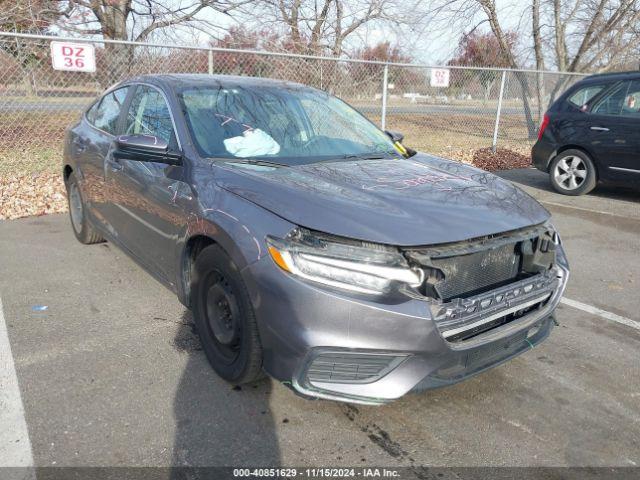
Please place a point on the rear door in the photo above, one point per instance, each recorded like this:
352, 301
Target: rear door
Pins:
570, 120
92, 148
614, 124
147, 197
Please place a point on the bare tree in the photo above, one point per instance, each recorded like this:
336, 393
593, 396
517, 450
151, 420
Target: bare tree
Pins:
133, 20
323, 27
489, 9
592, 35
27, 16
536, 34
570, 35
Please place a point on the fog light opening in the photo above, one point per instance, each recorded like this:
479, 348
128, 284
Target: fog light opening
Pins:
533, 331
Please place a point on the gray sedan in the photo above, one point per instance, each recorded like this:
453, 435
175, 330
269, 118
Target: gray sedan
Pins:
308, 243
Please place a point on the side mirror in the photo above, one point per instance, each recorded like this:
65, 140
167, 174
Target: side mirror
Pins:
395, 136
144, 148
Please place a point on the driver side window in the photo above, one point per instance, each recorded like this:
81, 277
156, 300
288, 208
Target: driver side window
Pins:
149, 115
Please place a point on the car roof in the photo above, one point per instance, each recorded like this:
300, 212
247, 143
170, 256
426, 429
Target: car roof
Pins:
613, 76
186, 80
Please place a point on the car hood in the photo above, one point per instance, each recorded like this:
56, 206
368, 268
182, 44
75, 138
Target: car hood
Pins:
406, 202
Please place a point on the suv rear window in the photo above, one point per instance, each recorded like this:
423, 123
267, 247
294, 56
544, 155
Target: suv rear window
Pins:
583, 95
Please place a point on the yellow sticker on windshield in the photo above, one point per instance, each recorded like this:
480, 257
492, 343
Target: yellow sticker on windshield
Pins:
400, 148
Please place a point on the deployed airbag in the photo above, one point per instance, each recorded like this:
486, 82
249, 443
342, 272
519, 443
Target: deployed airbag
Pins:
252, 143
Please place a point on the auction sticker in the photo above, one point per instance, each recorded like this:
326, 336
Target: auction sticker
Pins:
73, 57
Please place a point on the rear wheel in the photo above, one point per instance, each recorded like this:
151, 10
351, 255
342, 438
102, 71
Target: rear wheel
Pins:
572, 173
224, 318
83, 231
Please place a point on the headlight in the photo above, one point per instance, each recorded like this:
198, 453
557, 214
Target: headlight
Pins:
351, 265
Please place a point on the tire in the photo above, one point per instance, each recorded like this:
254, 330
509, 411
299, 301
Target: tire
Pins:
224, 318
572, 172
82, 229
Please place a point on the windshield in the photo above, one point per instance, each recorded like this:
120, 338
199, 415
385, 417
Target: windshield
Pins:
283, 124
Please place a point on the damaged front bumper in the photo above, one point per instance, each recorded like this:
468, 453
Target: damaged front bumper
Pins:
328, 344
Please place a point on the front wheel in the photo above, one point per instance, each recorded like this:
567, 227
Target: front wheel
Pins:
572, 173
224, 318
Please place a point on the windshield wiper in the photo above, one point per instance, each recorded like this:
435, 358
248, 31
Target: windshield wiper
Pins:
369, 156
249, 161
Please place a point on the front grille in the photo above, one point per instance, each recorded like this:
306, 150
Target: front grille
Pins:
348, 367
464, 269
466, 274
463, 319
484, 283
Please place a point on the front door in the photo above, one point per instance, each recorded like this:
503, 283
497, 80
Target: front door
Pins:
147, 197
614, 123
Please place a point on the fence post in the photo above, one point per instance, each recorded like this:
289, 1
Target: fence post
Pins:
495, 130
210, 62
385, 83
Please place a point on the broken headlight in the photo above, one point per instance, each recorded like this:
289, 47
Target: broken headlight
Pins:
347, 264
551, 229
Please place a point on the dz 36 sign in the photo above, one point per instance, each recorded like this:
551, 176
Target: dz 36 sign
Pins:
74, 57
440, 77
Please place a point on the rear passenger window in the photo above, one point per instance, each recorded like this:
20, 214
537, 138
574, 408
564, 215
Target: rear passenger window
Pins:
91, 113
613, 102
583, 95
105, 115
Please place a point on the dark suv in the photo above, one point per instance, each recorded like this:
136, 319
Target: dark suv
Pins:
591, 134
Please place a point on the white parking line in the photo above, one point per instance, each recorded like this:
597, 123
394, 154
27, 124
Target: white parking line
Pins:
15, 446
582, 209
602, 313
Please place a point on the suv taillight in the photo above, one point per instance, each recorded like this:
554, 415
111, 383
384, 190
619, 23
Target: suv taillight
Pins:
543, 125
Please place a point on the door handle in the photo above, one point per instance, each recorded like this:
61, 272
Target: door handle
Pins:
600, 129
176, 191
80, 145
115, 165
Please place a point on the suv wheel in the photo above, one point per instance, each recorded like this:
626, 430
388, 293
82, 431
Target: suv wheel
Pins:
83, 231
224, 318
572, 173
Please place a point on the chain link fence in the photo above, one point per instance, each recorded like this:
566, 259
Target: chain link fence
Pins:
479, 108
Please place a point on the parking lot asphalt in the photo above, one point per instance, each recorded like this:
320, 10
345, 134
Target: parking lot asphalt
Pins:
111, 373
